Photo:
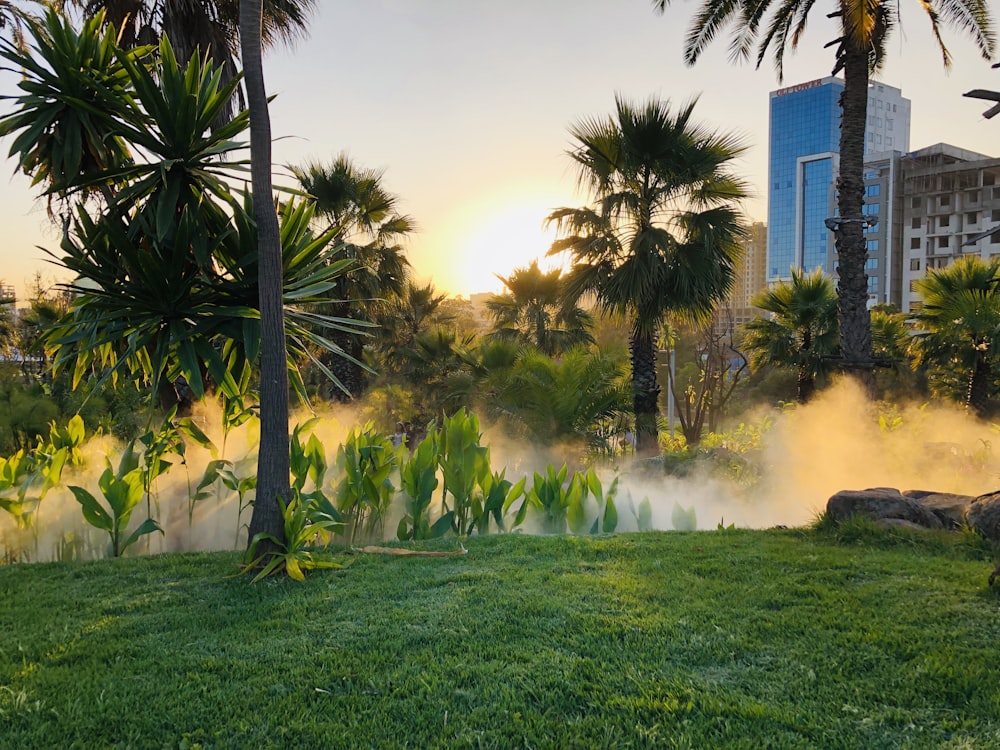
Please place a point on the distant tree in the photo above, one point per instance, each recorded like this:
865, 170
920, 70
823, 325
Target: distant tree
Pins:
774, 25
533, 310
364, 218
720, 365
800, 332
662, 234
406, 315
958, 326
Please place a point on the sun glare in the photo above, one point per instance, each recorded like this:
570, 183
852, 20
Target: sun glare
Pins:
498, 241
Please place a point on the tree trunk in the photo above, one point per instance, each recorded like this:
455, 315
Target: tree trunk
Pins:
645, 393
806, 384
978, 396
852, 286
273, 459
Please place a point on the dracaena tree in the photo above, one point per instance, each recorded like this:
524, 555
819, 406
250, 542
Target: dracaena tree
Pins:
169, 283
762, 28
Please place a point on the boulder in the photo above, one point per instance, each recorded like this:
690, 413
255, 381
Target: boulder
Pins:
898, 523
879, 503
983, 515
949, 507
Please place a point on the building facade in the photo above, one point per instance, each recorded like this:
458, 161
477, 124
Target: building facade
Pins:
803, 164
751, 275
950, 202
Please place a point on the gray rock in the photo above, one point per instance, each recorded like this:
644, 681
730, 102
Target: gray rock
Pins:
878, 503
984, 515
949, 507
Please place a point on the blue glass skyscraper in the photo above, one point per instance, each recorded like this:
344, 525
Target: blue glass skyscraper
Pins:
804, 160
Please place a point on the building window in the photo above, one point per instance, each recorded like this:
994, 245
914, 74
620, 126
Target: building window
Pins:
913, 286
872, 284
944, 221
871, 264
888, 140
914, 243
914, 264
915, 223
872, 190
873, 246
942, 242
995, 215
944, 200
973, 196
915, 202
888, 123
972, 217
995, 238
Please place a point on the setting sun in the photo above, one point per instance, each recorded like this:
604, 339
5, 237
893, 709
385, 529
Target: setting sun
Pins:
496, 241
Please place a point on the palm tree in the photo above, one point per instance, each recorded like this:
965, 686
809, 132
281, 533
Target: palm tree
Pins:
533, 311
363, 216
865, 27
662, 233
801, 331
273, 463
406, 315
958, 324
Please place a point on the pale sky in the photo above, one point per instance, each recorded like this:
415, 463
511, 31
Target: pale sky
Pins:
466, 105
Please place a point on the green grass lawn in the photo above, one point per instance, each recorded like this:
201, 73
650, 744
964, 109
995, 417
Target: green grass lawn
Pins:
709, 639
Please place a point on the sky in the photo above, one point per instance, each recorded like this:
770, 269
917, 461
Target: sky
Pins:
467, 107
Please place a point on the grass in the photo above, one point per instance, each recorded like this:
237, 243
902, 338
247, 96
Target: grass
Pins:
705, 639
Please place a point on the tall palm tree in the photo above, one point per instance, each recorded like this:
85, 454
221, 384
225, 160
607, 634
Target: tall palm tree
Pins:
801, 331
273, 463
774, 25
364, 218
533, 311
662, 232
958, 325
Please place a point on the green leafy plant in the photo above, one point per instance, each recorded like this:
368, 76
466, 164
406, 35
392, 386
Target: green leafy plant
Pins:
304, 523
365, 462
418, 480
123, 491
464, 465
490, 503
684, 519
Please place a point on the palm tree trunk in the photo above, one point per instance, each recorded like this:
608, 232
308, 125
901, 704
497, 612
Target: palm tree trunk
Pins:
978, 397
645, 393
273, 459
852, 287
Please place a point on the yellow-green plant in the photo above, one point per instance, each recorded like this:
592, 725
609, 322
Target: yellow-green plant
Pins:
304, 524
122, 490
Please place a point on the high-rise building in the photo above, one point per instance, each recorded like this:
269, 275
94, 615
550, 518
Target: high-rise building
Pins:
751, 275
950, 208
804, 160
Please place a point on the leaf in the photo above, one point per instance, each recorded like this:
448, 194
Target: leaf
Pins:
148, 526
93, 513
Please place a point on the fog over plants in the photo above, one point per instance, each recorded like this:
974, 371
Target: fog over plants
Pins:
777, 468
